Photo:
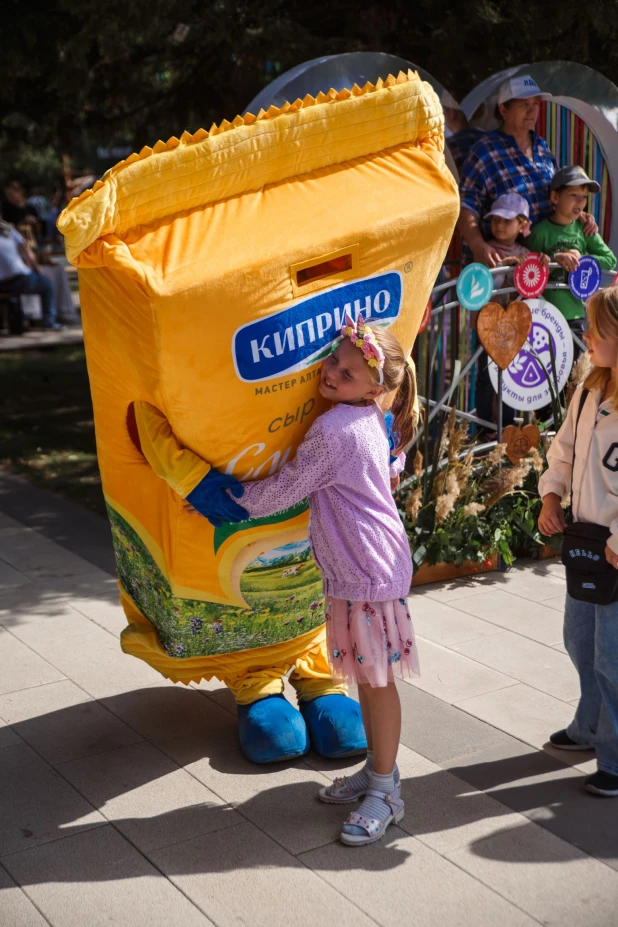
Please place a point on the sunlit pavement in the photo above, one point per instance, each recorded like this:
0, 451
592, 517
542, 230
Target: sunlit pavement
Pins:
125, 800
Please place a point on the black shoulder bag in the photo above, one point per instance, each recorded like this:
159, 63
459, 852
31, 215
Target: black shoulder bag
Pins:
590, 578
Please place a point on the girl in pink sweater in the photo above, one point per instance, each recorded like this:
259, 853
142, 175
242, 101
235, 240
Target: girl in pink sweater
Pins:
359, 544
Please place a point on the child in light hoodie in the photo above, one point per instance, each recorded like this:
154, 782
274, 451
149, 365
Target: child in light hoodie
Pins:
591, 631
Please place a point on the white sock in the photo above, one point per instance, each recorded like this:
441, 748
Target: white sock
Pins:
372, 806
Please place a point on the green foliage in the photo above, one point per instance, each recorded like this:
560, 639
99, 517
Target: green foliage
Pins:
33, 165
508, 528
463, 508
81, 74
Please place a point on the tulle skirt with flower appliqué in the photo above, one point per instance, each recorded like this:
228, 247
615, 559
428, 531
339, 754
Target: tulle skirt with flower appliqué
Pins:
370, 642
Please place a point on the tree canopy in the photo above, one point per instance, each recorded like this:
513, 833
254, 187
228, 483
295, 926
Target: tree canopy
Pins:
80, 74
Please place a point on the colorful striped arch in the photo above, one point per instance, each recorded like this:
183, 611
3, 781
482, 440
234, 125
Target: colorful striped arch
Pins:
572, 142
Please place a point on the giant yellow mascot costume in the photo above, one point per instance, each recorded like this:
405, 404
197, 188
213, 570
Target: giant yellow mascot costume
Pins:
215, 271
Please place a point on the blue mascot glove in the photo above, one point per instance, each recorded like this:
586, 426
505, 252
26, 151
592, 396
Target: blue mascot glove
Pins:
210, 499
389, 419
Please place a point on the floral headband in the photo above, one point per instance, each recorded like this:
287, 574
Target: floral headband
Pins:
364, 338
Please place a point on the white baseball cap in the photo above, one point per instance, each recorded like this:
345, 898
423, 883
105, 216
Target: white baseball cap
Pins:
509, 206
520, 88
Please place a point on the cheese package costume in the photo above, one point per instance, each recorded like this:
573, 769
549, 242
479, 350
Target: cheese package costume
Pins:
215, 271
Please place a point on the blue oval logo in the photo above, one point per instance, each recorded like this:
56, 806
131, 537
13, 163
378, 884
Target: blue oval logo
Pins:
297, 337
474, 286
586, 280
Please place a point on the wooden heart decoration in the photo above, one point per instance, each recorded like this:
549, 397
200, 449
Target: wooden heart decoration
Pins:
519, 441
503, 332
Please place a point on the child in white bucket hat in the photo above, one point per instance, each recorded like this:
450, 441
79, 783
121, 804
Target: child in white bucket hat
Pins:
510, 224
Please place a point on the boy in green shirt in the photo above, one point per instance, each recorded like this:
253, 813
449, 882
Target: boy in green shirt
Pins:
562, 238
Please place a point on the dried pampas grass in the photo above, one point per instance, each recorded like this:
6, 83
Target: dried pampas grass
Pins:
505, 481
465, 472
473, 508
495, 457
445, 503
537, 460
452, 483
447, 479
457, 436
439, 484
445, 506
413, 505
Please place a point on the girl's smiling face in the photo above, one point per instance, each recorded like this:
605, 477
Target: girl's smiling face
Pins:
346, 376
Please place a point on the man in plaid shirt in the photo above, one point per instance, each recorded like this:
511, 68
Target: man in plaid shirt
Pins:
496, 165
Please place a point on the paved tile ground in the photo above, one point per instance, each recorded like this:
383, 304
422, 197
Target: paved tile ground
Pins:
36, 338
125, 799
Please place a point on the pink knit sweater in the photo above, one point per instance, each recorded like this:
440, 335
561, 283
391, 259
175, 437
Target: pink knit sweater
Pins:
342, 468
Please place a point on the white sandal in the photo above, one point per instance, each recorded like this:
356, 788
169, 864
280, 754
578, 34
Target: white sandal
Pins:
374, 827
341, 793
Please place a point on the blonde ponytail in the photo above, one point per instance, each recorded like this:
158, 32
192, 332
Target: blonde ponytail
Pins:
405, 409
602, 311
399, 375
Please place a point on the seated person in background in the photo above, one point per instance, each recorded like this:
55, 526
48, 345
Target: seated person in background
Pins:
562, 238
460, 136
17, 211
66, 311
39, 202
19, 273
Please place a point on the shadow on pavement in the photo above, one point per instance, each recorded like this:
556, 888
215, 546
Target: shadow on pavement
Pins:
191, 730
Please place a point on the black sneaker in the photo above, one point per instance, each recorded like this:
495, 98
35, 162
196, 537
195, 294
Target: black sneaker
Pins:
602, 783
562, 741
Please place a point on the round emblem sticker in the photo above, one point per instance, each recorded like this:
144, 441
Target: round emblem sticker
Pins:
474, 286
531, 277
425, 319
586, 280
524, 384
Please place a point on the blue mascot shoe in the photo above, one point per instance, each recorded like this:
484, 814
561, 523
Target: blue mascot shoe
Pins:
335, 725
271, 729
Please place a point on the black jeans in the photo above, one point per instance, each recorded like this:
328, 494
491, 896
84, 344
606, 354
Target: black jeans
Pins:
33, 284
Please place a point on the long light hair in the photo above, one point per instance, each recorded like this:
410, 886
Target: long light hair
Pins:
399, 378
602, 310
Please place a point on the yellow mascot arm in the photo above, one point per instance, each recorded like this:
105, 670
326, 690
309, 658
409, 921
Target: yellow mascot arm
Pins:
180, 467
